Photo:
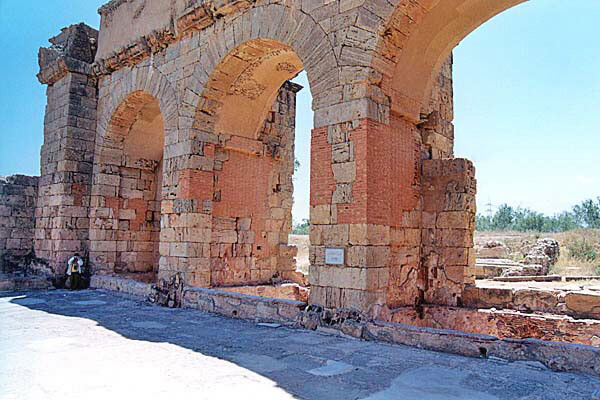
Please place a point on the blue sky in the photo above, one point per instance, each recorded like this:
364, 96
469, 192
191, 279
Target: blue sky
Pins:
527, 91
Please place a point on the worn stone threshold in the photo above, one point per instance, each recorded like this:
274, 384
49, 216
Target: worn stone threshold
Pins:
558, 356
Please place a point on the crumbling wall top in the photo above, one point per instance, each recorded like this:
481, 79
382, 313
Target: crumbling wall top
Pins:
74, 49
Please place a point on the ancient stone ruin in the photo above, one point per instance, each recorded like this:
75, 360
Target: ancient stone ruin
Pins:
495, 259
169, 151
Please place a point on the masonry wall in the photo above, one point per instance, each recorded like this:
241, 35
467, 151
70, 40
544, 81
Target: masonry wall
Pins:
127, 191
448, 256
252, 201
18, 195
67, 154
437, 129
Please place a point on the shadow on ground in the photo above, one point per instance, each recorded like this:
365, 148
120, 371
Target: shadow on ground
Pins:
123, 345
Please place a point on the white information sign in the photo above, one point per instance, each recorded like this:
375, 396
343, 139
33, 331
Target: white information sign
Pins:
334, 256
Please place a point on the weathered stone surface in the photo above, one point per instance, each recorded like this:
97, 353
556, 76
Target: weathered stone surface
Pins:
493, 249
584, 304
545, 252
18, 197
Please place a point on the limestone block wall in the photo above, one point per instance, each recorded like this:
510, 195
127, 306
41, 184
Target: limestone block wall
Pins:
18, 196
62, 223
127, 191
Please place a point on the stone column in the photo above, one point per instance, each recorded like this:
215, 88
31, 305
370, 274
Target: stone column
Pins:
367, 198
67, 153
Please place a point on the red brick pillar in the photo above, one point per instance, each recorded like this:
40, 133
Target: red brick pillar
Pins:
344, 171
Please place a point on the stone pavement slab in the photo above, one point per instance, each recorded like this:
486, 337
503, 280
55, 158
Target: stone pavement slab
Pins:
100, 345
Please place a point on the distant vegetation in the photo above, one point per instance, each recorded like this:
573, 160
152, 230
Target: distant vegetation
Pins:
583, 216
302, 228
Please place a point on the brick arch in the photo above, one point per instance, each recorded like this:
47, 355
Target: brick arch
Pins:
417, 39
293, 29
140, 82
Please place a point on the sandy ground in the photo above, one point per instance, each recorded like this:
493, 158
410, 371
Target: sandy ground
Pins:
98, 345
301, 242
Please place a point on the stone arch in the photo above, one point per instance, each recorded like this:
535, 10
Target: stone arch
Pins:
417, 40
243, 126
293, 29
127, 186
241, 90
138, 79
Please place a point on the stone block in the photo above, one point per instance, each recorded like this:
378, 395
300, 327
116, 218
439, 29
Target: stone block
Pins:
244, 224
342, 194
454, 220
320, 215
584, 304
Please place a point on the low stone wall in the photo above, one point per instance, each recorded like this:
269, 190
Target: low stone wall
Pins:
504, 324
556, 356
15, 283
283, 291
575, 304
18, 195
244, 306
121, 285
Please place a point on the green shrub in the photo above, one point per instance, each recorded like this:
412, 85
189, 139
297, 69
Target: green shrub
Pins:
582, 251
302, 228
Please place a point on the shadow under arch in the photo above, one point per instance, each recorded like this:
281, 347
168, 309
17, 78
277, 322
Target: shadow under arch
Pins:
241, 90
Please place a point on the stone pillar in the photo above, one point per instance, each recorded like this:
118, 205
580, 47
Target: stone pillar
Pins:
437, 129
367, 198
67, 153
448, 256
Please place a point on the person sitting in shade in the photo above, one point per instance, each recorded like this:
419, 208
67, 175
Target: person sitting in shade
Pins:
74, 272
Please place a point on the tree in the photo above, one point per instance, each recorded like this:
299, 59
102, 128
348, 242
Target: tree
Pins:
504, 218
587, 213
302, 228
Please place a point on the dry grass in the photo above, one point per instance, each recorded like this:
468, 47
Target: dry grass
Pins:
568, 264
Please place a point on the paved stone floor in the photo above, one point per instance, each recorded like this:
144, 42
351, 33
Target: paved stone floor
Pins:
98, 345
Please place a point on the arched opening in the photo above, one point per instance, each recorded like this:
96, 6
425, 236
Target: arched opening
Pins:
533, 182
420, 84
426, 43
125, 227
247, 112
